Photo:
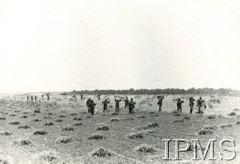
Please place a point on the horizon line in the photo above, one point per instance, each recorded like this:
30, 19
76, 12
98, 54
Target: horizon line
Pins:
91, 90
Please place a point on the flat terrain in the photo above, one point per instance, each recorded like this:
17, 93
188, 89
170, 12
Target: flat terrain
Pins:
61, 130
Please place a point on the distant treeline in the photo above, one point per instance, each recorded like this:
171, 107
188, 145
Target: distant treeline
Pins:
132, 91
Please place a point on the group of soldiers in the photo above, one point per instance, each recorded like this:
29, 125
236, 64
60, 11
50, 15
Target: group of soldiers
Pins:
131, 104
35, 98
128, 104
91, 106
200, 102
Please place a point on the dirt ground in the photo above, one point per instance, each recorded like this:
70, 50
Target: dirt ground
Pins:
61, 130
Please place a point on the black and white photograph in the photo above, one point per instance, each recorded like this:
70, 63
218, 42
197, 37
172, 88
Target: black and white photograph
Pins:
119, 81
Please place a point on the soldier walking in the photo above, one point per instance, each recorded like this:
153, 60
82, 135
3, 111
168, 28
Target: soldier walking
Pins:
31, 98
200, 104
131, 106
48, 97
92, 107
99, 97
126, 102
179, 105
105, 105
117, 105
88, 104
191, 104
160, 100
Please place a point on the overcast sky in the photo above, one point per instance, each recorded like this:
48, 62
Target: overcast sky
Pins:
56, 45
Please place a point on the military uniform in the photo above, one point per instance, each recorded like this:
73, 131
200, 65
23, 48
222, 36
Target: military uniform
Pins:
126, 102
88, 105
117, 105
199, 104
191, 104
179, 105
36, 98
105, 105
160, 99
131, 106
48, 97
92, 107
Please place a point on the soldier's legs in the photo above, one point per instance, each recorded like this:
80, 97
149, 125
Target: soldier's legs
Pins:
92, 111
130, 110
199, 109
160, 107
191, 109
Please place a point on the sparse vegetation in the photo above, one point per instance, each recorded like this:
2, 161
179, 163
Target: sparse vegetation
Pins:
78, 124
232, 114
104, 128
22, 142
115, 120
96, 137
68, 129
101, 152
77, 119
58, 120
64, 140
48, 124
145, 149
135, 135
211, 117
24, 127
14, 123
5, 133
40, 132
205, 132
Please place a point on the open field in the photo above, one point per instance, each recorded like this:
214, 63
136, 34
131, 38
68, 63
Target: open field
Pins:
61, 130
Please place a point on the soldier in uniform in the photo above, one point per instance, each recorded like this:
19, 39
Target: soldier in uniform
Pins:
117, 105
131, 106
88, 104
105, 105
191, 104
27, 97
179, 105
35, 98
200, 104
31, 98
160, 99
99, 96
92, 107
81, 97
126, 102
48, 97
